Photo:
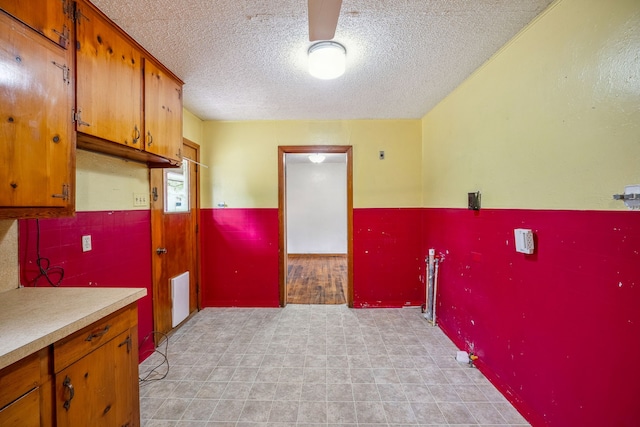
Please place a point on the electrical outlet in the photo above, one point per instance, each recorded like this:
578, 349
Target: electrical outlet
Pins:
140, 199
86, 243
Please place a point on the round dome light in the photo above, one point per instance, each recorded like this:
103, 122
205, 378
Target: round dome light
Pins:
327, 60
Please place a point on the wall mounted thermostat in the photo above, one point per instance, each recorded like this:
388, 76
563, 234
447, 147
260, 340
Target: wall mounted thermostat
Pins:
524, 240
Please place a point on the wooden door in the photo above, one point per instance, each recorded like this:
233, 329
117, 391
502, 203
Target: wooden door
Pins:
51, 18
36, 161
163, 112
109, 80
175, 243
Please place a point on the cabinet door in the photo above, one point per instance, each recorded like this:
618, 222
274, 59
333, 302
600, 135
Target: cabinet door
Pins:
109, 80
90, 391
49, 17
24, 412
163, 113
36, 138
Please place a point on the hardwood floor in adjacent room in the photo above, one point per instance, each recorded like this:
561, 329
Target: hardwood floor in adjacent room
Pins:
317, 279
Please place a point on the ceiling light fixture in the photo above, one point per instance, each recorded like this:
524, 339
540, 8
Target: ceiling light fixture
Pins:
327, 60
316, 158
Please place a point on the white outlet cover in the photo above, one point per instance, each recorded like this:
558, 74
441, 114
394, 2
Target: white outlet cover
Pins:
86, 243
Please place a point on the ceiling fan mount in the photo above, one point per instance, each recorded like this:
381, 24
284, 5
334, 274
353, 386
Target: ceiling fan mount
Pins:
323, 19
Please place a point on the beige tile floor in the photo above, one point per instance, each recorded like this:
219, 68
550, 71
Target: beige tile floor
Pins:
317, 365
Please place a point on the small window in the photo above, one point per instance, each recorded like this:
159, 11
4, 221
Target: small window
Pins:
176, 189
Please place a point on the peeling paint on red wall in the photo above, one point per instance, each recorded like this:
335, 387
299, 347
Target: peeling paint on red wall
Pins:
552, 330
388, 257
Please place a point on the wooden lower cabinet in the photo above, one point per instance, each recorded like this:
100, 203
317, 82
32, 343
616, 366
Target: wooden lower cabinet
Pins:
90, 391
24, 412
100, 388
89, 378
22, 392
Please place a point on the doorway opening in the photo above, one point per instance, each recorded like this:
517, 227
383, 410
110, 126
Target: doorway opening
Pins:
315, 212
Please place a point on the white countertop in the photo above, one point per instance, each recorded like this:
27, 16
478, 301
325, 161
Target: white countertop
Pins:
33, 318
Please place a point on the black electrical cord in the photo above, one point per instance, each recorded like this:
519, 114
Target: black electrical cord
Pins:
44, 264
153, 374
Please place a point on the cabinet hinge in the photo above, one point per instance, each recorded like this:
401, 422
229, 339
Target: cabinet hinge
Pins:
67, 8
65, 71
126, 342
65, 193
197, 228
64, 36
77, 118
77, 14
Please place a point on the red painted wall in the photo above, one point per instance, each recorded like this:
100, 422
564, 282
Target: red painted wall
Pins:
239, 257
388, 257
557, 331
120, 257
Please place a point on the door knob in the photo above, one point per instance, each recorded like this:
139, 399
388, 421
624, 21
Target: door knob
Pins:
161, 251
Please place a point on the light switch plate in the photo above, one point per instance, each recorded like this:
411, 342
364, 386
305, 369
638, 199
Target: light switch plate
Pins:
86, 243
140, 199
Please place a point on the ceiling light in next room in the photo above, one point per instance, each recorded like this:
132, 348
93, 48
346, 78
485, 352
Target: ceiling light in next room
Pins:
327, 60
316, 158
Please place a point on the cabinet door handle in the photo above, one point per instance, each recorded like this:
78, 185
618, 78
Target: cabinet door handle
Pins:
136, 133
150, 138
95, 335
68, 388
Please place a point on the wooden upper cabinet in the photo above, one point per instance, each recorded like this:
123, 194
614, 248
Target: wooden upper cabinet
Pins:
163, 112
123, 95
37, 145
51, 18
109, 80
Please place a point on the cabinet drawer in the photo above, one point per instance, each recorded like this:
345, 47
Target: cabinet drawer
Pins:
19, 378
24, 412
75, 346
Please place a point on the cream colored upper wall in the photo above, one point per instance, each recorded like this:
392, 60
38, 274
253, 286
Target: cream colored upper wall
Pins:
191, 127
9, 276
550, 122
243, 160
108, 183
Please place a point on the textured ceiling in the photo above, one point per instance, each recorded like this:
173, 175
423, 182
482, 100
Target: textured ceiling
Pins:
246, 59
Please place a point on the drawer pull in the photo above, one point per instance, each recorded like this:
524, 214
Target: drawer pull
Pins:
93, 336
68, 387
